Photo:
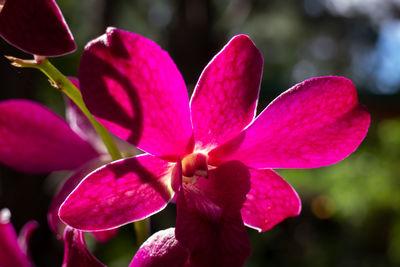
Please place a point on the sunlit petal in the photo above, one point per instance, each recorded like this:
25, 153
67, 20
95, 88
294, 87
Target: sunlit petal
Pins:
315, 123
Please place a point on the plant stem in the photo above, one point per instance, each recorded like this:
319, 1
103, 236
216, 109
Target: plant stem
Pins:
59, 81
142, 229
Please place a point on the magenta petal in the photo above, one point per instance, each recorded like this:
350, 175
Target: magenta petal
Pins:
34, 139
76, 253
270, 200
11, 254
224, 101
118, 193
36, 27
161, 249
25, 235
315, 123
208, 220
135, 90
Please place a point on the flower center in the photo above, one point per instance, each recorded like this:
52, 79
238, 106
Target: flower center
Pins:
194, 166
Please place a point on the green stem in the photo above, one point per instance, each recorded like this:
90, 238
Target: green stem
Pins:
59, 81
66, 86
142, 229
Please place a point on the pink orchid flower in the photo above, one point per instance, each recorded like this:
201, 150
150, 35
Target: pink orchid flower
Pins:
36, 27
14, 250
210, 151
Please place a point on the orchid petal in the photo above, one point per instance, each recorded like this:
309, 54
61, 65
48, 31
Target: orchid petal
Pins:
67, 187
25, 235
11, 254
118, 193
316, 123
36, 140
161, 249
209, 222
36, 27
225, 99
269, 201
76, 253
135, 90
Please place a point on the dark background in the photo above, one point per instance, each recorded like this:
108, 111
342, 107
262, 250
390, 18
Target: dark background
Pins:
351, 210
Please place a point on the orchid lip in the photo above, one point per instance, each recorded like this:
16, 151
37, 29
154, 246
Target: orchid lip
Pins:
194, 166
